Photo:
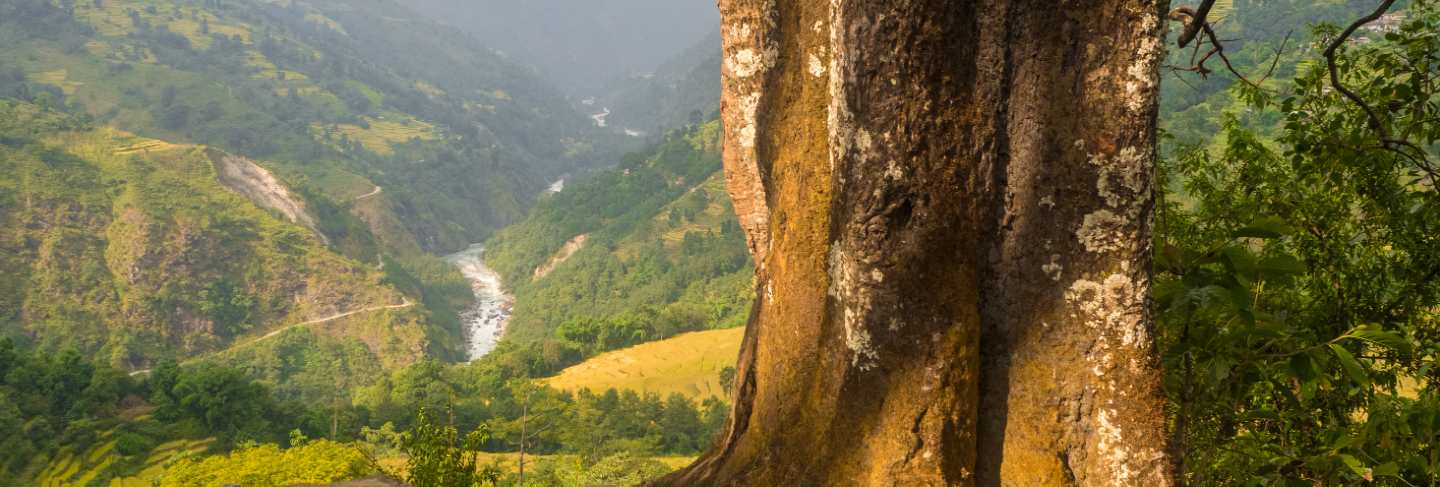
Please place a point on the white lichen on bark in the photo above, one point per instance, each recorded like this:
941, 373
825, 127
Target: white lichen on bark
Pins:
1053, 268
750, 52
817, 67
1144, 74
1103, 231
849, 288
1123, 183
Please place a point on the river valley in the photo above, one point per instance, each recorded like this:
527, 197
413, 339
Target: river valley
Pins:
485, 320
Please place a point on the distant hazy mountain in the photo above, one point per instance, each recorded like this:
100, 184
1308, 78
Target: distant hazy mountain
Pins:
685, 89
581, 46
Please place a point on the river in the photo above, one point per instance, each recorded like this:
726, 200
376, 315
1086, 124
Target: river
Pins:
485, 320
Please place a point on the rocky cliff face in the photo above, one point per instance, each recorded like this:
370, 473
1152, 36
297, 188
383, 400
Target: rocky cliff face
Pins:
255, 183
566, 251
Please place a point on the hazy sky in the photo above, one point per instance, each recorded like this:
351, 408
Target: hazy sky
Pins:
580, 45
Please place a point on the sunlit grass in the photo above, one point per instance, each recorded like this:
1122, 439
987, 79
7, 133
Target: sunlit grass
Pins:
384, 132
688, 364
58, 77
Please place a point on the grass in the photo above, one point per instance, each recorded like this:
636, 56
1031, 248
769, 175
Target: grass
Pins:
689, 364
316, 18
386, 131
507, 462
709, 219
159, 457
82, 468
58, 77
146, 146
510, 462
110, 20
191, 29
429, 89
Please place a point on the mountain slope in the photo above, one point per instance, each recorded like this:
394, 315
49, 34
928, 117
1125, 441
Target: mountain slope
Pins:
132, 248
661, 253
340, 95
183, 178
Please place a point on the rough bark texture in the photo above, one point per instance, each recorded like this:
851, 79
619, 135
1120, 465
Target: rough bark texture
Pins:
949, 206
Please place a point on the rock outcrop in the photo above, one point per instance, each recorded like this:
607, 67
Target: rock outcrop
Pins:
257, 184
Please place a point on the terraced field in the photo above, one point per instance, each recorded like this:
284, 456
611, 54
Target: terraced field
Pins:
82, 468
689, 364
58, 77
384, 132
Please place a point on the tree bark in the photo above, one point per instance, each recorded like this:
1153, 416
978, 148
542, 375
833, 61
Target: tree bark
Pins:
949, 205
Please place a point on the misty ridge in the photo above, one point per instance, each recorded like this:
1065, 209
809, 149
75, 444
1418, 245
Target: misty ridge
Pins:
582, 46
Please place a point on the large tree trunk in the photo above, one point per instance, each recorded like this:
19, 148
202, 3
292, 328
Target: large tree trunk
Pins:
949, 205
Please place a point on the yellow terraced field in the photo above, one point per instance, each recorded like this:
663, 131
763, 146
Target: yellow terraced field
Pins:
59, 77
688, 364
146, 146
70, 468
155, 463
510, 462
385, 132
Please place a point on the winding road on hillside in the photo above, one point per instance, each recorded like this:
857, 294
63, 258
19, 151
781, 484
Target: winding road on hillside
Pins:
374, 192
405, 303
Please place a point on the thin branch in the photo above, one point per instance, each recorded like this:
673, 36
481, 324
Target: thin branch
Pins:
1177, 69
1219, 50
1278, 52
1388, 142
1197, 21
1335, 73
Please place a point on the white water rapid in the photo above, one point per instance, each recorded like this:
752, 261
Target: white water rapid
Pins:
485, 319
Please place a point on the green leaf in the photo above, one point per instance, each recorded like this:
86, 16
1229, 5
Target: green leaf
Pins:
1378, 336
1354, 464
1387, 470
1304, 370
1341, 442
1220, 369
1283, 264
1265, 227
1352, 367
1239, 259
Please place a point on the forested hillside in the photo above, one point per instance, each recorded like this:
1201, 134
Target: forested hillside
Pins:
338, 96
237, 201
653, 250
133, 248
260, 184
1267, 41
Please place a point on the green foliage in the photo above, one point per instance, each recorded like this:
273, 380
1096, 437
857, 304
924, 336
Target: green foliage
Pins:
224, 399
547, 420
440, 456
49, 400
727, 379
130, 444
1255, 33
619, 469
267, 465
664, 255
130, 248
1296, 281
